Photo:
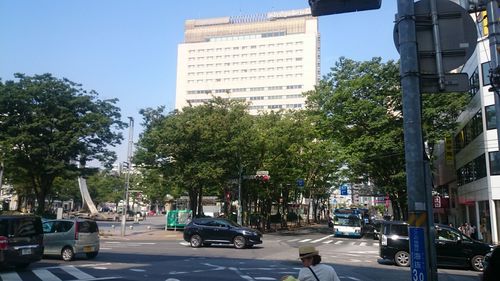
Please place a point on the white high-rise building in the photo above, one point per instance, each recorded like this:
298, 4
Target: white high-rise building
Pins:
267, 60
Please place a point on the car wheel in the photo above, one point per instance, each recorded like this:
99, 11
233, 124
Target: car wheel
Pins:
195, 241
239, 242
67, 254
91, 255
402, 258
477, 263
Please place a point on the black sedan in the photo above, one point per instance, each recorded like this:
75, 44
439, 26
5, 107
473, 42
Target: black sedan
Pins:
207, 231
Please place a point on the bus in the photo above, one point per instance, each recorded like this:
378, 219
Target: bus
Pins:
347, 222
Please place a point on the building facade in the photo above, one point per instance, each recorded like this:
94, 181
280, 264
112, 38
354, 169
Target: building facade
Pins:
468, 175
266, 60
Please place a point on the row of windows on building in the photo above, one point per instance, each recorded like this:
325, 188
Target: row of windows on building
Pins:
247, 37
276, 106
254, 107
245, 47
476, 169
249, 55
239, 90
243, 78
238, 63
474, 127
474, 78
245, 70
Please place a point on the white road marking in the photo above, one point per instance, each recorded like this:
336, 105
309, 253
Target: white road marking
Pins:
92, 264
338, 242
353, 243
362, 244
105, 248
10, 276
293, 240
328, 242
321, 239
77, 272
305, 240
137, 270
184, 243
46, 275
172, 279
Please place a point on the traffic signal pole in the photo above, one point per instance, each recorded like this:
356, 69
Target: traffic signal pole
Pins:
418, 208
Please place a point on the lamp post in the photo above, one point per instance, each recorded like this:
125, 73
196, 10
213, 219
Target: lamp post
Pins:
127, 176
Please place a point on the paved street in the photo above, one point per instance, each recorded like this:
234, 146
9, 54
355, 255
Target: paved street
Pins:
155, 254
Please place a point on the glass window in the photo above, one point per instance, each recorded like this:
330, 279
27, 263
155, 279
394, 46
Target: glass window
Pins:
494, 163
447, 235
491, 119
486, 73
399, 229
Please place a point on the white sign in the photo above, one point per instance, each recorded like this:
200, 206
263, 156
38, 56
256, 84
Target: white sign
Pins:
262, 173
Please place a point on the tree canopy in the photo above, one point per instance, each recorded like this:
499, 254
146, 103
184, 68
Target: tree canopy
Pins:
48, 126
360, 104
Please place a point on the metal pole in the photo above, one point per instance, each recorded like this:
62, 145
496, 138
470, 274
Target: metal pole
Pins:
415, 175
437, 44
240, 208
127, 179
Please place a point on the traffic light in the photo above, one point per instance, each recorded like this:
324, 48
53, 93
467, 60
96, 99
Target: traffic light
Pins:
263, 178
330, 7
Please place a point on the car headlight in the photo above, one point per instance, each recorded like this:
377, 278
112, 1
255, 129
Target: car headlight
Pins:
246, 232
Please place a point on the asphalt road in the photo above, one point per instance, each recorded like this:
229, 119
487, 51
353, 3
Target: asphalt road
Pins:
149, 253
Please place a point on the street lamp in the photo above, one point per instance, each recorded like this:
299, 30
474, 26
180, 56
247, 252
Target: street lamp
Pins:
127, 176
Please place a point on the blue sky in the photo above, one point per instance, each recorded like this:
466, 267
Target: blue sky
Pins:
127, 49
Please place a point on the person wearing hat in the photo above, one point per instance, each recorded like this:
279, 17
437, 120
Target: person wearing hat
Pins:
313, 269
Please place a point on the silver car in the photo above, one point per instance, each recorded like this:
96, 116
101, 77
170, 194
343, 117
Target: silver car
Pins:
67, 238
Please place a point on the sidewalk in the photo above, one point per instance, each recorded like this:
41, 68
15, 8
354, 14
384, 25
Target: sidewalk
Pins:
164, 235
151, 234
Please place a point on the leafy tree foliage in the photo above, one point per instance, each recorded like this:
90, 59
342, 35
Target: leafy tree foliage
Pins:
47, 125
361, 108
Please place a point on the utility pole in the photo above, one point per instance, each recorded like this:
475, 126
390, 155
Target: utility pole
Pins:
419, 231
127, 176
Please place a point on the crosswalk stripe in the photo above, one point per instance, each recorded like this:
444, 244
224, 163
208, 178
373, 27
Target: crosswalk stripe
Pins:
338, 242
328, 242
293, 240
45, 275
10, 276
305, 240
77, 272
362, 244
321, 239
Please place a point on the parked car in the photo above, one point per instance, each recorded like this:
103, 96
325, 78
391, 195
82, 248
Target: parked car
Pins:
205, 231
453, 249
21, 240
491, 265
373, 229
67, 238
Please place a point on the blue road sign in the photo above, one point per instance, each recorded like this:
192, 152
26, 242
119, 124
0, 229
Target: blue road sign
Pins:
344, 189
300, 182
417, 254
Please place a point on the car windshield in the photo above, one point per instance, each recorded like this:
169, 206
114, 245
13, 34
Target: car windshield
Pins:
349, 221
231, 223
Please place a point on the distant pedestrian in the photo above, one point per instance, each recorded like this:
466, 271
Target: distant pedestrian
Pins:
313, 269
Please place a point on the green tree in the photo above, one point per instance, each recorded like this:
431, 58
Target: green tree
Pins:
47, 125
195, 148
361, 106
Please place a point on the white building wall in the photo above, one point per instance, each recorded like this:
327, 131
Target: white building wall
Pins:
480, 199
269, 73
